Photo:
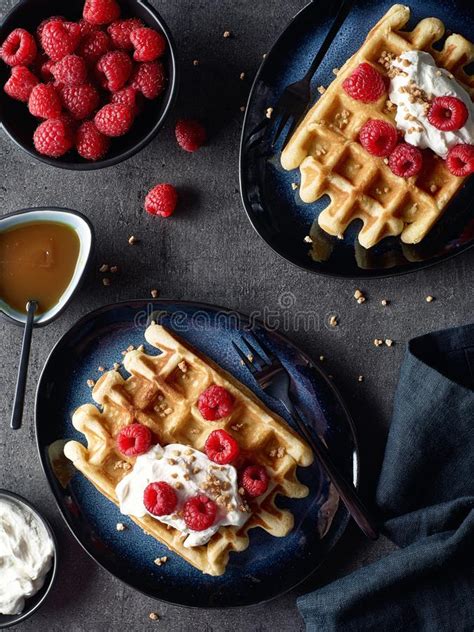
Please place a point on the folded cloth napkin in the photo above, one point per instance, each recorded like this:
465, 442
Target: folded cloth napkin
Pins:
426, 497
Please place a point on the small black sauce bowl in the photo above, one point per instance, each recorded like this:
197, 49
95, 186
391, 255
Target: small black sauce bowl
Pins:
20, 125
33, 603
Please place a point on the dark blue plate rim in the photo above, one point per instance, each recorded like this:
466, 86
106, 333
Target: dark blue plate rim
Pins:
250, 215
133, 304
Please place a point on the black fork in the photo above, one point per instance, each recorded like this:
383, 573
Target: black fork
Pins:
296, 97
273, 378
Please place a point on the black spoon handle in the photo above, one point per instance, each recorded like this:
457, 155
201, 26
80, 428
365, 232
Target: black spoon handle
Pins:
17, 413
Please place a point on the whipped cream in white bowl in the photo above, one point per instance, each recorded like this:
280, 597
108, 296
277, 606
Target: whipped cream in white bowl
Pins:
27, 559
419, 68
189, 469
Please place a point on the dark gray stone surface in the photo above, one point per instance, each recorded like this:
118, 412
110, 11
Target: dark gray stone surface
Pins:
209, 252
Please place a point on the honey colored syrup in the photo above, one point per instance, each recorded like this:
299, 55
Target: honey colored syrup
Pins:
37, 261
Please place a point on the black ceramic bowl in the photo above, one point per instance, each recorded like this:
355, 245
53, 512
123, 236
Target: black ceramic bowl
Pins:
20, 125
32, 604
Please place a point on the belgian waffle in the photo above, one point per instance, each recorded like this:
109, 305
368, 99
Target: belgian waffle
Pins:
362, 186
161, 393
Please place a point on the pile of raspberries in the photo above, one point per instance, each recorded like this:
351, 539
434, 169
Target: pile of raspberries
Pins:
85, 81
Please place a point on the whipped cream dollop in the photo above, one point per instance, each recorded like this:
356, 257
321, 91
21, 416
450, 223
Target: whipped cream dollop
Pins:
26, 554
190, 472
417, 69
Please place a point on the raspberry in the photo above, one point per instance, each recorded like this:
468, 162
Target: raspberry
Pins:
87, 28
53, 18
365, 84
114, 70
378, 137
148, 44
221, 448
101, 11
460, 160
134, 439
121, 30
215, 403
53, 138
19, 49
190, 135
90, 143
160, 499
20, 84
161, 200
130, 97
60, 38
93, 46
199, 512
149, 78
114, 119
44, 101
70, 70
80, 101
405, 160
254, 479
447, 113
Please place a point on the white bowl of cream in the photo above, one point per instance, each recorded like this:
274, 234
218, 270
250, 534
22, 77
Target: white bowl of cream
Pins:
27, 559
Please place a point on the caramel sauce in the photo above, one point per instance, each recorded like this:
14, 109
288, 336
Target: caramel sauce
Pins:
37, 261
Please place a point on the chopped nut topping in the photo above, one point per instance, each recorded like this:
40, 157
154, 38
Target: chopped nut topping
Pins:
226, 34
429, 299
268, 113
114, 269
433, 188
120, 526
130, 348
154, 293
178, 485
378, 342
333, 322
389, 342
308, 239
321, 89
183, 366
90, 383
153, 616
236, 427
104, 267
361, 300
160, 560
357, 294
132, 240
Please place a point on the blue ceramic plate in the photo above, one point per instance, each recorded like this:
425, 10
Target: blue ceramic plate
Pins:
270, 566
276, 211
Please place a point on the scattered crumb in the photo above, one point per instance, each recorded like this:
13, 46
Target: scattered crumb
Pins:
160, 560
154, 616
242, 76
130, 348
104, 267
242, 108
132, 240
384, 302
429, 299
116, 366
321, 358
335, 71
226, 34
321, 89
154, 293
90, 383
433, 188
357, 294
378, 342
114, 269
264, 56
195, 62
360, 378
106, 281
269, 112
294, 186
308, 239
385, 161
389, 342
101, 368
333, 321
120, 526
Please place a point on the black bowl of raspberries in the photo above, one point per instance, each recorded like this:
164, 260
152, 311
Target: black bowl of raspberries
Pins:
85, 84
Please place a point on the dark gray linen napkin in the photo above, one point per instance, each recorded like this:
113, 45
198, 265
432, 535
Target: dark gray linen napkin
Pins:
426, 497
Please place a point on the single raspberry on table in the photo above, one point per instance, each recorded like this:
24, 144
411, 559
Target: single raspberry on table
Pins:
19, 49
121, 30
460, 160
221, 448
365, 84
53, 138
161, 200
20, 84
114, 119
60, 38
53, 18
114, 70
190, 134
215, 403
405, 160
128, 96
160, 498
101, 12
81, 101
148, 44
378, 137
150, 79
94, 46
70, 71
199, 512
44, 101
134, 439
447, 113
254, 479
90, 143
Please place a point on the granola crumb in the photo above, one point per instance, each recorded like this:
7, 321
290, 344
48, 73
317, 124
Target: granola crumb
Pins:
195, 62
321, 358
335, 71
294, 186
429, 299
116, 366
101, 369
153, 616
321, 89
360, 378
358, 294
384, 302
104, 267
242, 108
106, 281
389, 342
242, 76
182, 366
114, 269
132, 240
308, 239
433, 188
120, 526
160, 560
90, 383
333, 322
226, 34
268, 113
154, 293
264, 56
378, 342
361, 300
385, 161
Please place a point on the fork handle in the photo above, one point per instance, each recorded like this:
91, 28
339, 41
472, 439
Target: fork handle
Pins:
346, 490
